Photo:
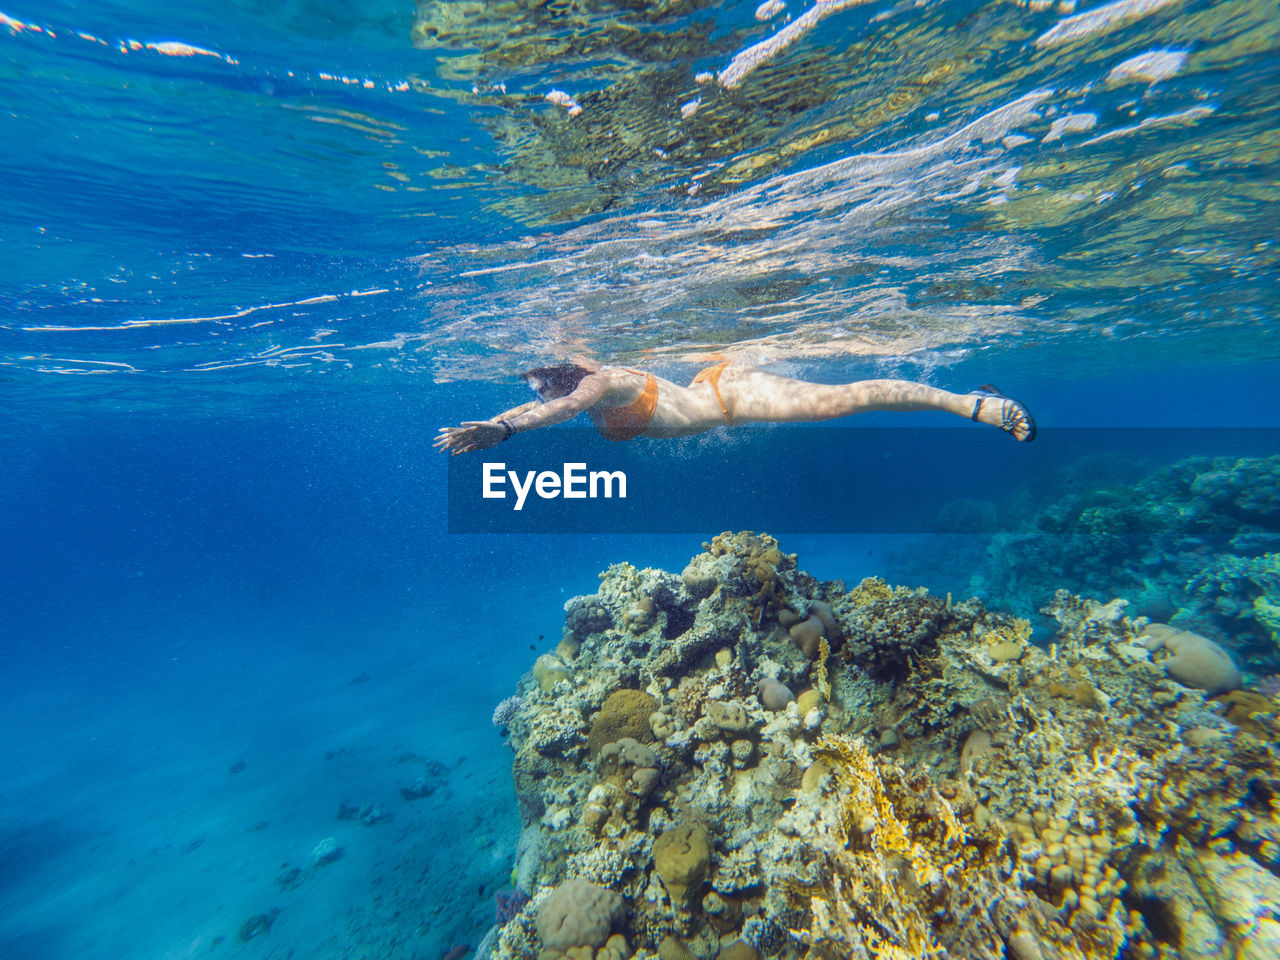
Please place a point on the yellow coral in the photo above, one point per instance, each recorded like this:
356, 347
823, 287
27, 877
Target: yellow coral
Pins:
866, 807
921, 944
870, 590
820, 669
1017, 630
884, 819
835, 921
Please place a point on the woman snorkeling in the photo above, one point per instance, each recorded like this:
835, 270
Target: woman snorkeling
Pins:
625, 404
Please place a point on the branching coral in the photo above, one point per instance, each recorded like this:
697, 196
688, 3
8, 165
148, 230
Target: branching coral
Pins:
1014, 630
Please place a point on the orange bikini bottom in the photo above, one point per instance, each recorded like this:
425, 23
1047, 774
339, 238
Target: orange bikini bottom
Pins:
711, 375
627, 423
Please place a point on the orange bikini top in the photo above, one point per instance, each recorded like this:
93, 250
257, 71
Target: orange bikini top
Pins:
627, 423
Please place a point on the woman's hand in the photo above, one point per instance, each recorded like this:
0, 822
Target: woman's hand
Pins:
472, 435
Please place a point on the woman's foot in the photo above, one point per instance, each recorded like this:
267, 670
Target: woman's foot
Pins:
993, 407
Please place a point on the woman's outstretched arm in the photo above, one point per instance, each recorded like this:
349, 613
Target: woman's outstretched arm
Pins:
516, 411
483, 434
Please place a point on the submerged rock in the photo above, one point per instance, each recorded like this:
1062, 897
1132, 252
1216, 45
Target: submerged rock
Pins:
259, 925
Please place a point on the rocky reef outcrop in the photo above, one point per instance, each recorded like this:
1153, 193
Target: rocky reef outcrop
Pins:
932, 783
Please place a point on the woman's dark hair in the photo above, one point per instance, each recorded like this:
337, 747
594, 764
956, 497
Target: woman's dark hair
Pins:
561, 379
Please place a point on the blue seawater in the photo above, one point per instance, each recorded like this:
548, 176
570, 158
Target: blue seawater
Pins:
253, 255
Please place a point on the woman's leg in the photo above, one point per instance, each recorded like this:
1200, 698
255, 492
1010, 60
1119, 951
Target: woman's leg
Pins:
753, 395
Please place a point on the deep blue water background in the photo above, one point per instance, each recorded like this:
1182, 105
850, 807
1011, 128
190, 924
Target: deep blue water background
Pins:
232, 548
184, 593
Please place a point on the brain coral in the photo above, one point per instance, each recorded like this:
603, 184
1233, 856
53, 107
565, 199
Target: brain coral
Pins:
774, 695
578, 914
1197, 661
625, 714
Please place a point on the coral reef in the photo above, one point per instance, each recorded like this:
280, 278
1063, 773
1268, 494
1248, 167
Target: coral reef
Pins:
940, 785
1195, 544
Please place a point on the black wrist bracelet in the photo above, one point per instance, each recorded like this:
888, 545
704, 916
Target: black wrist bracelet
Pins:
506, 425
